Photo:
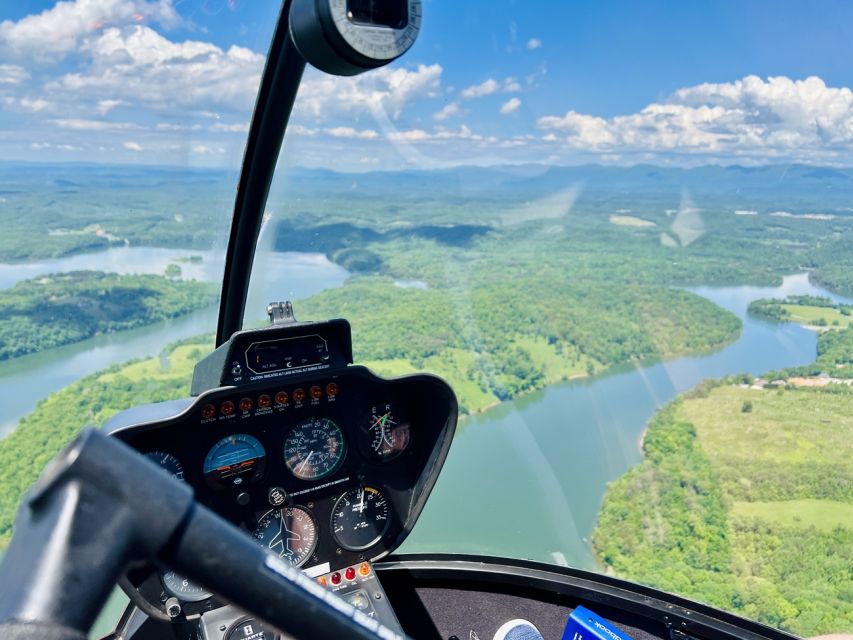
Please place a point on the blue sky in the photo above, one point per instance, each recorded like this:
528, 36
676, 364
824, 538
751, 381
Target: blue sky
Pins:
488, 82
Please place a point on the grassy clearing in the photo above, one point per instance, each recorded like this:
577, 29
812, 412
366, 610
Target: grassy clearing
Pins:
631, 221
817, 316
824, 515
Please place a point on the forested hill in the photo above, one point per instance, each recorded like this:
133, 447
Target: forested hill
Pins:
59, 309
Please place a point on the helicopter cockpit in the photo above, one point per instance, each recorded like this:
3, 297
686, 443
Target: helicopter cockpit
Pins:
274, 500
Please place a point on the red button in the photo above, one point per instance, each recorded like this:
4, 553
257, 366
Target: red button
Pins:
316, 393
336, 578
227, 408
281, 397
332, 389
264, 401
350, 573
299, 395
208, 411
246, 404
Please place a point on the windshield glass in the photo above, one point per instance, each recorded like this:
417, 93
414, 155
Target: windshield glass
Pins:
122, 127
623, 235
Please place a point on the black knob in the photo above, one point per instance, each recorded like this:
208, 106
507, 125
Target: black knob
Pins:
243, 499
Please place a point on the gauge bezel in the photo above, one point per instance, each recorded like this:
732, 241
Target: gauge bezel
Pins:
314, 521
367, 437
180, 475
378, 538
204, 595
338, 463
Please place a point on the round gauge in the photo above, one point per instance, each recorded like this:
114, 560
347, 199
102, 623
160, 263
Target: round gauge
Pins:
248, 629
360, 518
291, 533
234, 460
169, 463
183, 588
388, 436
314, 448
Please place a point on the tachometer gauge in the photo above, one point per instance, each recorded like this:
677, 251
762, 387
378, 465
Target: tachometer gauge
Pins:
360, 518
234, 460
314, 449
168, 462
388, 436
291, 533
183, 588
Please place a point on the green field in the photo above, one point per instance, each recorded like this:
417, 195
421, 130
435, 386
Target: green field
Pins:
744, 500
816, 316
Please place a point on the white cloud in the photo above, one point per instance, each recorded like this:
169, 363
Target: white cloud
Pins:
485, 88
236, 127
132, 146
105, 106
510, 106
534, 43
141, 67
447, 111
749, 118
81, 124
204, 149
60, 30
349, 132
382, 91
12, 74
34, 104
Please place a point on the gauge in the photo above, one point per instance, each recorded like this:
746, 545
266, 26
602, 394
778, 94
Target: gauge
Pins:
183, 588
314, 448
234, 460
291, 533
168, 462
388, 436
360, 518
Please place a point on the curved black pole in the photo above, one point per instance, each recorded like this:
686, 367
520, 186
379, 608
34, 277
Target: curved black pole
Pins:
277, 93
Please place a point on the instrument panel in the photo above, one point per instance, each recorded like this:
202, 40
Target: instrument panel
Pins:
325, 471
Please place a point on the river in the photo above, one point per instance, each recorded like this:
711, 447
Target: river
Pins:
527, 478
26, 380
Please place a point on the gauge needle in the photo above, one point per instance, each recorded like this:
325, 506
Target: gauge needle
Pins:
361, 503
302, 466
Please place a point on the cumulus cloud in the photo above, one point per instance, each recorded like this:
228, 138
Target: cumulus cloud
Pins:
534, 43
485, 88
768, 118
383, 91
349, 132
140, 66
34, 104
447, 111
12, 74
56, 32
132, 146
510, 106
490, 86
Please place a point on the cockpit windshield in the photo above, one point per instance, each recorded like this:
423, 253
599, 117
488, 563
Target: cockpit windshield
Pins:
623, 234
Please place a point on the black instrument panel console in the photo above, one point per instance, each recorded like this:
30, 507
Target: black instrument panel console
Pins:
325, 470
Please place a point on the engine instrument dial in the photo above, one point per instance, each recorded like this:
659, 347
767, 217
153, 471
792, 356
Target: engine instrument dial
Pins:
183, 588
291, 533
360, 518
234, 460
314, 449
169, 463
388, 435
